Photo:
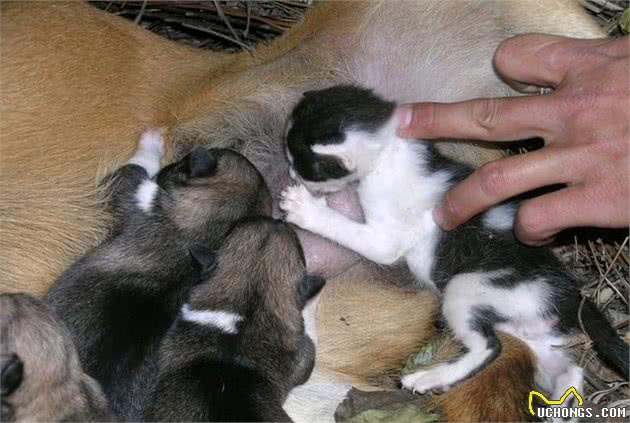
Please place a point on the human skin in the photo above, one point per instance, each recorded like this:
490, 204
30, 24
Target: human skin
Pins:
584, 122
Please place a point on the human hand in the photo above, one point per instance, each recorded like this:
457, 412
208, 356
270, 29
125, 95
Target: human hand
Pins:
584, 122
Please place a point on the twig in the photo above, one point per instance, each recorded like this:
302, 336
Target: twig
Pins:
228, 24
216, 34
249, 18
604, 278
140, 13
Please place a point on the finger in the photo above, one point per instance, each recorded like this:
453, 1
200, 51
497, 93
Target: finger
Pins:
538, 220
499, 180
545, 60
491, 119
536, 59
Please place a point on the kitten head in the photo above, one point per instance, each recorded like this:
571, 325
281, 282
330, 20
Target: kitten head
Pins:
42, 379
208, 190
334, 134
260, 280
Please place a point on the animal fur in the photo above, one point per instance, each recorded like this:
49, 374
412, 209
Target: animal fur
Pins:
120, 298
488, 280
246, 344
64, 126
42, 378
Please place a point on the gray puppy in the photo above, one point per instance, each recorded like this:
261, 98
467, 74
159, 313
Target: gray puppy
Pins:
120, 298
245, 338
42, 379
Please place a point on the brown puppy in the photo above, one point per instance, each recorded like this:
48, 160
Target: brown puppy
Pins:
242, 342
119, 299
42, 379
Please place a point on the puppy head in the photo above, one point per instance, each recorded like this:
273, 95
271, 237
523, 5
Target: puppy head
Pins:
334, 134
210, 188
260, 284
42, 379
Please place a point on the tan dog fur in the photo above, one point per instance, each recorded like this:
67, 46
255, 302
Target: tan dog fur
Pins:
78, 86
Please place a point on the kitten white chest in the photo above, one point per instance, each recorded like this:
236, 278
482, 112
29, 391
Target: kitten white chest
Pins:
421, 257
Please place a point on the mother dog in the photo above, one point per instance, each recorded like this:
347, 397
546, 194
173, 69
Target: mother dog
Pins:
79, 85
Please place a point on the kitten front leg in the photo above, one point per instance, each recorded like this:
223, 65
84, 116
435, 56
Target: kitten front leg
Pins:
313, 214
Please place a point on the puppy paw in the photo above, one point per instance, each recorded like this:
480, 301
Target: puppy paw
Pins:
301, 208
150, 151
425, 380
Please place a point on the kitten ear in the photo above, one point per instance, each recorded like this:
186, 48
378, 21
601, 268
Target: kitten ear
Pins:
203, 258
201, 163
12, 372
310, 286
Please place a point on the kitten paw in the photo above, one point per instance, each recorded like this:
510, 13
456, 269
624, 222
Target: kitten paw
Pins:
150, 151
301, 208
426, 380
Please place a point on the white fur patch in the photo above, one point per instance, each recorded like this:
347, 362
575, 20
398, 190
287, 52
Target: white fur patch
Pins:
149, 152
226, 321
146, 194
309, 314
317, 399
500, 217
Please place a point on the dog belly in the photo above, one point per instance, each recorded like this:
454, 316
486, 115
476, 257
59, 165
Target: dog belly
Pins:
324, 257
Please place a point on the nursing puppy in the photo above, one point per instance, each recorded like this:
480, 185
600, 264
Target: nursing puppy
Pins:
42, 378
246, 336
489, 281
120, 298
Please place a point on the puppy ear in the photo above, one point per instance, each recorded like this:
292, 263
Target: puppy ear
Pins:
203, 258
12, 372
201, 163
310, 286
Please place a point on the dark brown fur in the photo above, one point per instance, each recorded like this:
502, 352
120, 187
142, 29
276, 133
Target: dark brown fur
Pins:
209, 375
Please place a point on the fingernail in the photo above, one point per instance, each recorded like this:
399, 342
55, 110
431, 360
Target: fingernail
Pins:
405, 114
438, 216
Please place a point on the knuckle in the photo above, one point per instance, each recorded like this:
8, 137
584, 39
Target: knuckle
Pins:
453, 212
485, 113
492, 179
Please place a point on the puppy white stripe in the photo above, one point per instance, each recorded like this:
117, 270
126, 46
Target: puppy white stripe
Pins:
223, 320
146, 194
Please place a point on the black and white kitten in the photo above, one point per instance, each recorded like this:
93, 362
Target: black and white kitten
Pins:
245, 338
488, 279
120, 298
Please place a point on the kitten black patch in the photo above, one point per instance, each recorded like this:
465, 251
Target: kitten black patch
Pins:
323, 117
